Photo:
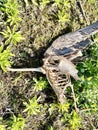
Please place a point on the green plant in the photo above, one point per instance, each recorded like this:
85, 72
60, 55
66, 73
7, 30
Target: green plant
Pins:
50, 128
57, 2
51, 108
87, 89
63, 17
63, 10
64, 110
11, 10
43, 3
75, 121
40, 84
92, 1
12, 36
2, 126
63, 107
17, 123
32, 108
4, 58
62, 3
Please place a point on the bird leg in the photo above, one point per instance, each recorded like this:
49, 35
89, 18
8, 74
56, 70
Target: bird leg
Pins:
74, 98
62, 97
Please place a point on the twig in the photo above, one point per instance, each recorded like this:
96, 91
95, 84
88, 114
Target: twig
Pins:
82, 10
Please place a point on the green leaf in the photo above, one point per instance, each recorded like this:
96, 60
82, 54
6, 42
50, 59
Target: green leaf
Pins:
17, 123
40, 84
12, 36
4, 58
32, 108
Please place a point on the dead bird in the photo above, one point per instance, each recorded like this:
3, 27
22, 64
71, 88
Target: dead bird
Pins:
58, 59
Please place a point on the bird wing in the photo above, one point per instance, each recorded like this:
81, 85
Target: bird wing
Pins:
72, 42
